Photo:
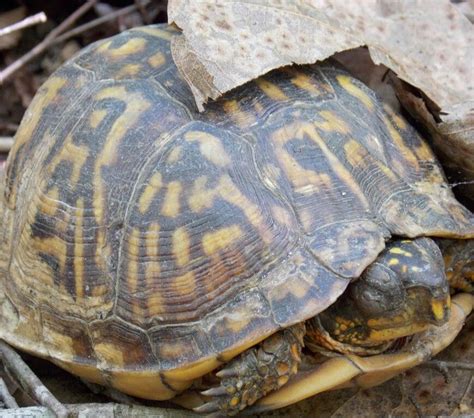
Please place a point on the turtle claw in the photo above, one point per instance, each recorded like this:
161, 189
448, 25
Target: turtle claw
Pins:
208, 408
228, 373
255, 373
217, 391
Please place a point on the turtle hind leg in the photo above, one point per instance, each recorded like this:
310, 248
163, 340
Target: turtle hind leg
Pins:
256, 372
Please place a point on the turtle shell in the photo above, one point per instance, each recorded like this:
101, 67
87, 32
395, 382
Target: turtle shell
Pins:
144, 243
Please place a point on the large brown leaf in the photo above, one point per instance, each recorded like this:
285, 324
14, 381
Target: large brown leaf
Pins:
428, 43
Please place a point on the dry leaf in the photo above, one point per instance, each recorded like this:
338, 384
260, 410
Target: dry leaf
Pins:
428, 43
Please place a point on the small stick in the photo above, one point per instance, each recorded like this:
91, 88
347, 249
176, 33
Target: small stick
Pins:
22, 24
96, 22
6, 397
448, 364
28, 380
143, 13
6, 143
43, 45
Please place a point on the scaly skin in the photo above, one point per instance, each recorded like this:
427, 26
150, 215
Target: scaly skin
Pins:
257, 372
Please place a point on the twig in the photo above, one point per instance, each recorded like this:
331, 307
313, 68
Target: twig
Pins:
96, 22
28, 380
5, 396
29, 21
42, 46
6, 143
13, 127
143, 13
448, 365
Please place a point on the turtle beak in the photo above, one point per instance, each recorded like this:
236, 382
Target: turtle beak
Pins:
440, 309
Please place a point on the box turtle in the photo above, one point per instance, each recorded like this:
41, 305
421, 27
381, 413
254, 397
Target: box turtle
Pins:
145, 245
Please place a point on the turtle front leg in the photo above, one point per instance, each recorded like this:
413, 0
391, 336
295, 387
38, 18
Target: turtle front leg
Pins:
256, 372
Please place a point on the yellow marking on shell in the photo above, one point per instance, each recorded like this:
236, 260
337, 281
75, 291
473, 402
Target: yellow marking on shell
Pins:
300, 289
404, 268
281, 215
155, 32
258, 107
181, 246
200, 197
401, 146
231, 193
175, 154
304, 81
347, 84
338, 168
210, 147
97, 116
151, 190
171, 204
58, 248
399, 121
136, 104
271, 89
416, 269
152, 267
110, 353
240, 117
129, 70
212, 242
393, 262
77, 156
332, 123
235, 324
45, 95
79, 259
134, 243
74, 155
357, 156
305, 181
49, 203
133, 46
400, 251
157, 60
185, 284
423, 151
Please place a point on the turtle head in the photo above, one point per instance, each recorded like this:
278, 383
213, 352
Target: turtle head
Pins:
401, 293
